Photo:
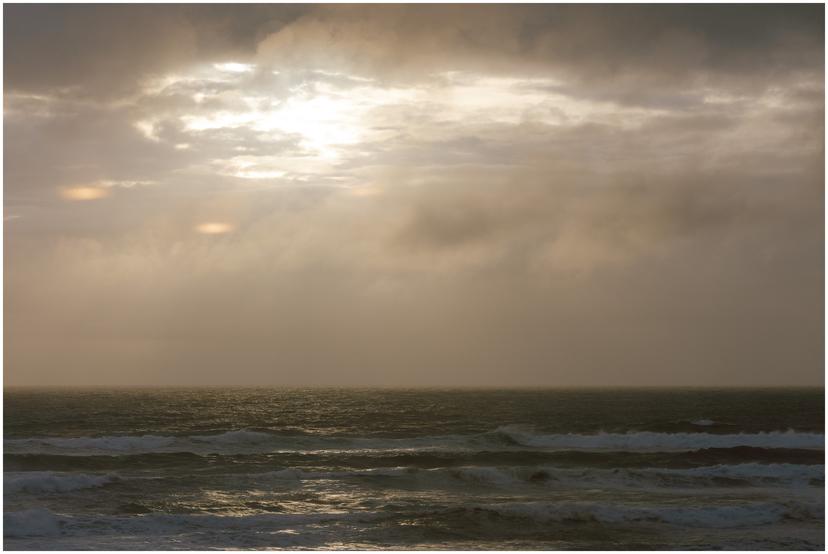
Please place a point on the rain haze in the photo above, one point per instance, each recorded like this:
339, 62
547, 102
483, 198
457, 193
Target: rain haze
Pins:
414, 195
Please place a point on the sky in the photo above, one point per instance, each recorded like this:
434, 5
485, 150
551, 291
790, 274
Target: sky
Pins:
413, 195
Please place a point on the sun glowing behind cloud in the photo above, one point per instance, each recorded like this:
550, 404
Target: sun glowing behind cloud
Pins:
322, 116
327, 117
234, 67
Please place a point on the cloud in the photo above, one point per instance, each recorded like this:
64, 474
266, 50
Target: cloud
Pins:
102, 51
403, 195
621, 46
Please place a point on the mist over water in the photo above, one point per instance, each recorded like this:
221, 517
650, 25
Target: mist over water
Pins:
406, 469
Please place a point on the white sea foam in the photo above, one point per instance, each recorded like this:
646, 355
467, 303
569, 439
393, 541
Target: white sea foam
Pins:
35, 482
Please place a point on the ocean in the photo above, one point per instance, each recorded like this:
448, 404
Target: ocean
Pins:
265, 468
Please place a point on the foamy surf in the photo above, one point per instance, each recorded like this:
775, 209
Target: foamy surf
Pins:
479, 470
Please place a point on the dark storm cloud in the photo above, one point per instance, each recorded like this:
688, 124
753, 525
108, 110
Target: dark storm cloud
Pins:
101, 48
104, 50
626, 47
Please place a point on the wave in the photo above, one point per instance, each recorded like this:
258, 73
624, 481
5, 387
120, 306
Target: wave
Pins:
648, 440
293, 529
503, 438
126, 443
736, 475
725, 516
37, 482
103, 461
35, 522
264, 461
702, 424
784, 472
749, 474
41, 522
718, 475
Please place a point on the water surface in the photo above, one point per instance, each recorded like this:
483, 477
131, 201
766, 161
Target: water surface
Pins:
414, 469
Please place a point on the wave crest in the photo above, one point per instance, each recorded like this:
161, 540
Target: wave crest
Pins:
35, 522
749, 474
648, 440
36, 482
739, 515
503, 438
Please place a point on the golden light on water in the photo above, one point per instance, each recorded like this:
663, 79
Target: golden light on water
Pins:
214, 228
84, 193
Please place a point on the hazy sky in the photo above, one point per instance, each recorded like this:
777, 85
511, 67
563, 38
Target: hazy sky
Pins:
414, 195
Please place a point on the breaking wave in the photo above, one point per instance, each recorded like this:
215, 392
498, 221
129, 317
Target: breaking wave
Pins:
647, 440
36, 482
503, 438
35, 522
718, 475
737, 515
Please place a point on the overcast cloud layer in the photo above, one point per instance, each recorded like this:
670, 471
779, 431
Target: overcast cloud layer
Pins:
414, 195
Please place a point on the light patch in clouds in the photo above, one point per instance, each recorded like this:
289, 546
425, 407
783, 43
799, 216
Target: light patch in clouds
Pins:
367, 190
217, 120
234, 67
214, 228
126, 184
148, 128
334, 118
248, 167
99, 189
84, 193
470, 97
323, 116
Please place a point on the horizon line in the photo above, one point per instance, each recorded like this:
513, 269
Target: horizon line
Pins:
410, 387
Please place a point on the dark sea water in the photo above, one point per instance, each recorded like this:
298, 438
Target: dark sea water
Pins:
414, 469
